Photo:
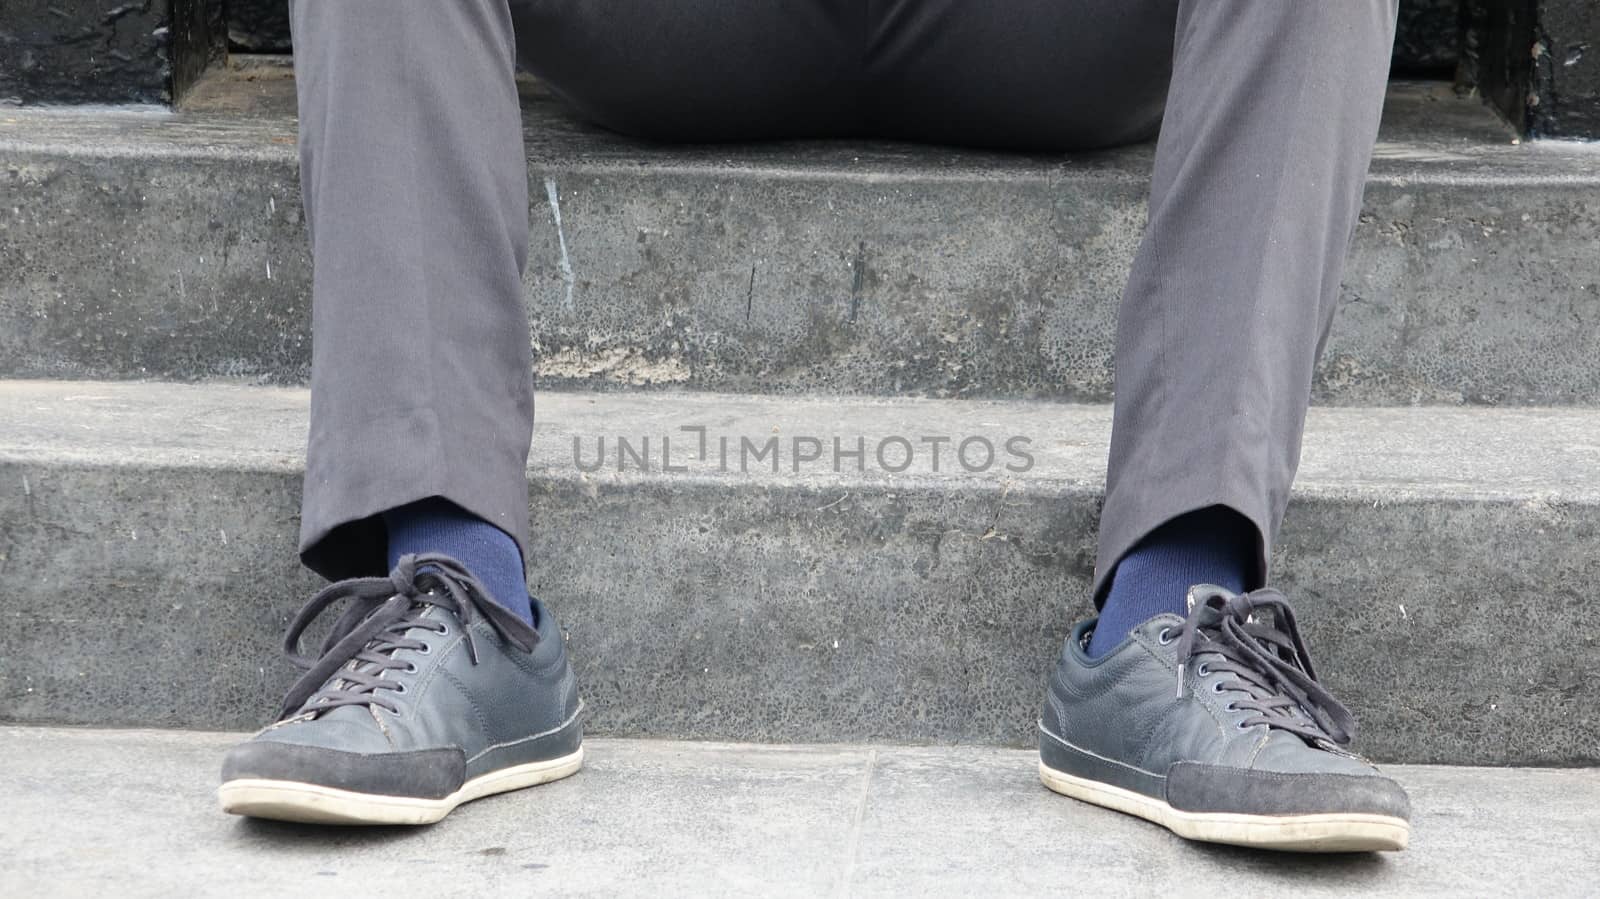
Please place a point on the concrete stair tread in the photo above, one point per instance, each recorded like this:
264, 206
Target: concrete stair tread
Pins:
1388, 454
170, 245
135, 811
812, 606
1428, 133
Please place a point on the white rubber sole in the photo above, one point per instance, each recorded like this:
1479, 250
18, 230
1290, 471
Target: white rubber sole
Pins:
1292, 833
284, 800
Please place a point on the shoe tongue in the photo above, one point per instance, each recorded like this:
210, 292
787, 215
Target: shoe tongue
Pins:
1200, 594
436, 613
417, 611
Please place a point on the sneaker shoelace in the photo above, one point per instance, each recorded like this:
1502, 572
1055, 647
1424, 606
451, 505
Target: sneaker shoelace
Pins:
383, 612
1253, 637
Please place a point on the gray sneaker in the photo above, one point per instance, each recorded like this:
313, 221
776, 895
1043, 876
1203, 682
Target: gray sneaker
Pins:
1216, 728
426, 694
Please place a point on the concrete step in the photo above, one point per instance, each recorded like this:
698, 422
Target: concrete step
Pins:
1443, 561
171, 246
135, 811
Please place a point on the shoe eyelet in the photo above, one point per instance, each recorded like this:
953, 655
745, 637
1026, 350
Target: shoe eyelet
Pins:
1217, 687
1204, 670
424, 650
400, 687
1231, 707
411, 668
443, 630
1165, 637
1244, 725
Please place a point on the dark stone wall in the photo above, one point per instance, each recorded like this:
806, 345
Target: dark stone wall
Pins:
71, 51
199, 38
1426, 44
259, 26
1496, 60
1490, 45
1565, 98
84, 51
1537, 61
1428, 39
105, 51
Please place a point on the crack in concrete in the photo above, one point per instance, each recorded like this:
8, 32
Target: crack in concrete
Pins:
853, 850
860, 267
750, 295
565, 263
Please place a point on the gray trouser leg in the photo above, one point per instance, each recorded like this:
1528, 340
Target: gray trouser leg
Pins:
1271, 117
415, 183
416, 192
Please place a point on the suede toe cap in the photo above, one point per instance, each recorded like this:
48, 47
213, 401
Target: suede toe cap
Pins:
419, 774
1195, 787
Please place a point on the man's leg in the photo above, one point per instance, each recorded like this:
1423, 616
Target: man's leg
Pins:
415, 184
442, 682
1214, 358
1271, 117
1192, 705
1209, 722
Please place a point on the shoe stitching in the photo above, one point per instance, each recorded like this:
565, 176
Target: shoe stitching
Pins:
518, 660
569, 688
1110, 761
1118, 675
382, 728
477, 711
521, 660
1058, 707
1066, 686
1284, 776
1218, 718
1147, 742
1261, 744
542, 734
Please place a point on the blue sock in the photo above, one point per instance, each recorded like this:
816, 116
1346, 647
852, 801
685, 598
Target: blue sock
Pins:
1210, 546
437, 525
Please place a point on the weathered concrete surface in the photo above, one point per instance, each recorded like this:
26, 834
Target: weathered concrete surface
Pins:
173, 247
134, 812
1443, 560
